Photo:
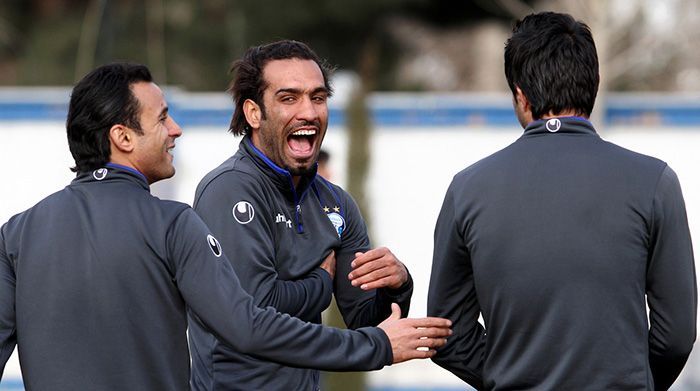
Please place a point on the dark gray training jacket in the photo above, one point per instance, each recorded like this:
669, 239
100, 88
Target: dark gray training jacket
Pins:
278, 236
560, 240
94, 281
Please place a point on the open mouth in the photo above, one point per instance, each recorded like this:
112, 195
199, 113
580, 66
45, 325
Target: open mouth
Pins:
301, 143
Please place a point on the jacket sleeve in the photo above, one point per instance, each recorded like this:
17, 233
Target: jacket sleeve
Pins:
671, 286
253, 248
213, 292
362, 308
452, 295
8, 334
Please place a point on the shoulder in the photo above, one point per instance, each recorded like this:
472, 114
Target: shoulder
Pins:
630, 157
45, 204
334, 192
483, 168
235, 175
328, 186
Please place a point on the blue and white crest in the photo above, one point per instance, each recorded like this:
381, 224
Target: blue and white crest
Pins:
338, 222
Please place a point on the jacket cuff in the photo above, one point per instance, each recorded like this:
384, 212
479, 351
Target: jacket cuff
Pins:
406, 288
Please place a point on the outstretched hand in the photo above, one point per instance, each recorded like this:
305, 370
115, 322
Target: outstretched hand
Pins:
413, 338
377, 268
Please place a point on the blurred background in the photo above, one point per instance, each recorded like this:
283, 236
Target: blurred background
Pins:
420, 94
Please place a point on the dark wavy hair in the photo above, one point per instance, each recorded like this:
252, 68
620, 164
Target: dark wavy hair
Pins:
100, 100
553, 59
248, 82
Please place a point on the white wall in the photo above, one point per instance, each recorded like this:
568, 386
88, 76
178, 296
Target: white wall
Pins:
411, 169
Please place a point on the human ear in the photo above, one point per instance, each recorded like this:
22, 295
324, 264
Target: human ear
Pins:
252, 113
121, 138
521, 100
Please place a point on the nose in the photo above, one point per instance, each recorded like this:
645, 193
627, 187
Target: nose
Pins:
174, 130
309, 110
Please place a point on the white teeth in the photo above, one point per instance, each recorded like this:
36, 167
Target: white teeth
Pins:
304, 133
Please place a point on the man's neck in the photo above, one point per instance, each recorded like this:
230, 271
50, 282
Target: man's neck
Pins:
565, 113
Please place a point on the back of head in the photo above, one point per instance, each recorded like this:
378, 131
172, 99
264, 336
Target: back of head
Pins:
553, 59
248, 82
101, 99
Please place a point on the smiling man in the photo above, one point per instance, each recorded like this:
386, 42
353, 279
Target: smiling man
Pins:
285, 224
95, 279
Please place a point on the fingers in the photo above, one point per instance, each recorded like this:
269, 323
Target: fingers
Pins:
375, 284
417, 349
426, 343
410, 339
362, 258
434, 332
395, 311
373, 266
414, 354
428, 322
377, 268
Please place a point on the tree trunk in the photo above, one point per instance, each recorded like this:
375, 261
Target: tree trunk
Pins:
359, 128
155, 40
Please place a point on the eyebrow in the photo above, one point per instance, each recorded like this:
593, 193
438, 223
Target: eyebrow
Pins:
298, 91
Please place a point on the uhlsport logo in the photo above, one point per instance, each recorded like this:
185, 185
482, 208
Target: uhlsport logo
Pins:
280, 218
553, 124
214, 246
100, 173
243, 212
338, 222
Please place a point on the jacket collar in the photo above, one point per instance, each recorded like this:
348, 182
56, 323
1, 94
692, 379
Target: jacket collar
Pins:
281, 177
113, 172
560, 125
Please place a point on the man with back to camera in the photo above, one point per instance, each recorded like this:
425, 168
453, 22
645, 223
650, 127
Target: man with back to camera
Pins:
557, 239
94, 279
267, 205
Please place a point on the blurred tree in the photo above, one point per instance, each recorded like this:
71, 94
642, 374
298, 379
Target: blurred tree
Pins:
651, 45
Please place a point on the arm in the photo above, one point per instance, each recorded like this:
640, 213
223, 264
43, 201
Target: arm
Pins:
212, 291
671, 286
254, 248
452, 295
8, 334
377, 268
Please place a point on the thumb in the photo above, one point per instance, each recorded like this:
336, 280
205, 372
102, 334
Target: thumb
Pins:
395, 312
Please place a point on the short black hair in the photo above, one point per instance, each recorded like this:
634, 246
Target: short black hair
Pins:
100, 100
553, 59
248, 82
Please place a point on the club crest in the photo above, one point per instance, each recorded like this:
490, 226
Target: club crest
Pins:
338, 222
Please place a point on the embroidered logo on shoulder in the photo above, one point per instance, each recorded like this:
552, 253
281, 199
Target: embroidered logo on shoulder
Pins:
100, 173
553, 124
214, 246
243, 212
338, 222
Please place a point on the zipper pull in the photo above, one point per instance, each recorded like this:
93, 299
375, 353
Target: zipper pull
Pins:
300, 223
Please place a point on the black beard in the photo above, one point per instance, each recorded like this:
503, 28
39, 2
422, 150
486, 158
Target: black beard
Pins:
299, 171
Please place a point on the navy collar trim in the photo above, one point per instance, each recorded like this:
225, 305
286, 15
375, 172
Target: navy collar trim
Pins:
110, 172
281, 176
560, 125
267, 160
127, 168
